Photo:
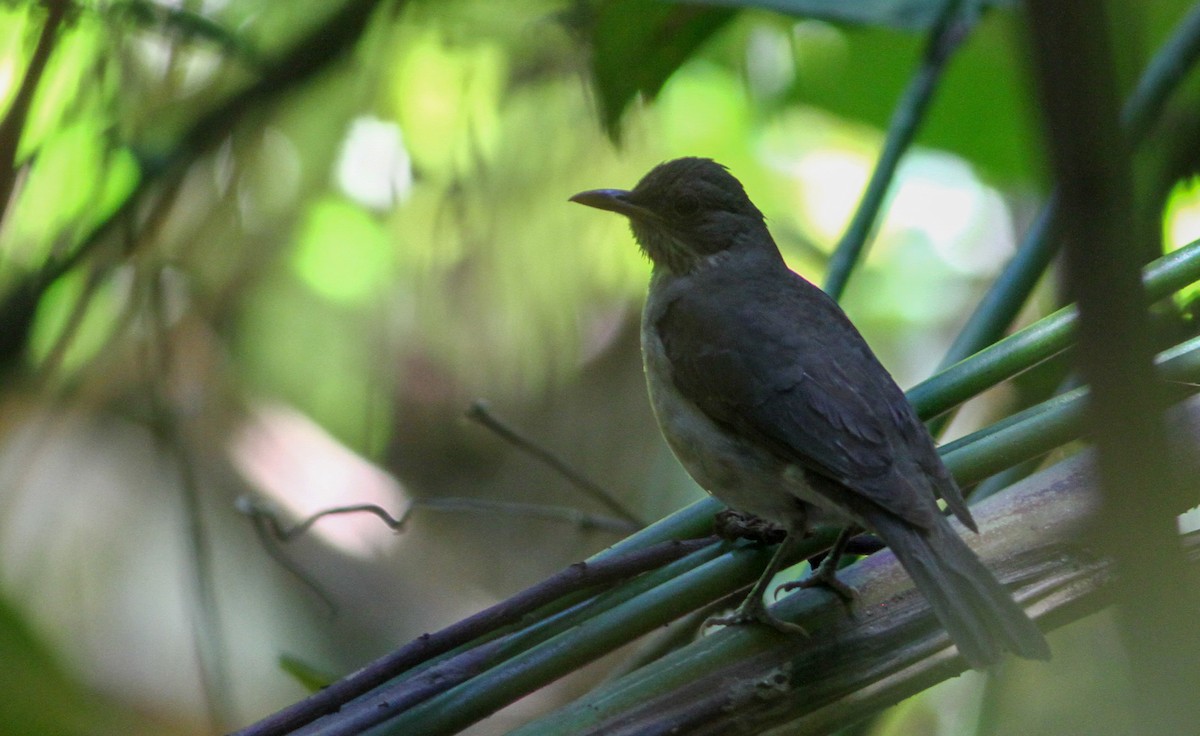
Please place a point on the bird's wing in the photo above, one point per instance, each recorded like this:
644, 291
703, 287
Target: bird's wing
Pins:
779, 363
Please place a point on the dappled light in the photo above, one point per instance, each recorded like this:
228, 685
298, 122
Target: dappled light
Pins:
298, 466
259, 260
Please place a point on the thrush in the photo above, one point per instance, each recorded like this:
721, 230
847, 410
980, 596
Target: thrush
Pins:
774, 403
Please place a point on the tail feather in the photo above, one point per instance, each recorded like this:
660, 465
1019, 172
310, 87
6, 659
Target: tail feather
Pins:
978, 612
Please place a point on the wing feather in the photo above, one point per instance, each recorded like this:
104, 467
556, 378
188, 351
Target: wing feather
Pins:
754, 361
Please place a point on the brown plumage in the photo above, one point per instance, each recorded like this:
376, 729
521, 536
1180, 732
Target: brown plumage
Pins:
774, 403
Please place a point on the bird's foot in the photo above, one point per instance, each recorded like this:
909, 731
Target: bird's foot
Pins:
824, 576
753, 611
731, 525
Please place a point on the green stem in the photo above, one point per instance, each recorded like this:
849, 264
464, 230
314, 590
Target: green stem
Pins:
1164, 74
948, 32
1000, 305
1037, 342
1052, 423
467, 703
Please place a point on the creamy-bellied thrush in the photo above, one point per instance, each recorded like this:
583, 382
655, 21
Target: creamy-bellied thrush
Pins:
774, 403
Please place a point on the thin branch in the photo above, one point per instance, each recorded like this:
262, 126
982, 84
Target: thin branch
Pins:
948, 32
207, 635
576, 578
267, 529
482, 413
271, 531
739, 681
1005, 297
315, 52
579, 519
1039, 341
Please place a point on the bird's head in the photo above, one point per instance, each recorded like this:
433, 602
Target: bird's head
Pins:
683, 211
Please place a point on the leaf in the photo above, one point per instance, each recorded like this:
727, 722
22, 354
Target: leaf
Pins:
858, 73
637, 45
870, 67
311, 677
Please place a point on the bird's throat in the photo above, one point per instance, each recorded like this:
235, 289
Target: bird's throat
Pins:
663, 250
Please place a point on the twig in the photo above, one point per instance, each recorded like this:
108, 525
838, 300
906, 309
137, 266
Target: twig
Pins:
1003, 300
311, 54
269, 533
566, 514
270, 519
578, 577
207, 635
482, 413
271, 530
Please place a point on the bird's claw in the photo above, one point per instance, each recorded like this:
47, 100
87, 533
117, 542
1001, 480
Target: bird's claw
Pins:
749, 613
824, 576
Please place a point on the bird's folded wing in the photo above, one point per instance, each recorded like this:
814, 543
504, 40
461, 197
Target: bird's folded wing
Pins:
797, 392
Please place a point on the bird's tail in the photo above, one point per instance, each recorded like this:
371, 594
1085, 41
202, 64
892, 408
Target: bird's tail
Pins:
978, 612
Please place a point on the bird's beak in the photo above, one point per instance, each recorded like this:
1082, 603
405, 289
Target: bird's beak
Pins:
613, 200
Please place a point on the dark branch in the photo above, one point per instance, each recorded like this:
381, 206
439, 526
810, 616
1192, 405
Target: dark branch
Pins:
578, 577
482, 413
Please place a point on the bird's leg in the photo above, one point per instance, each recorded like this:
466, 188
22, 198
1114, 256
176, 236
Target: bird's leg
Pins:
826, 573
752, 609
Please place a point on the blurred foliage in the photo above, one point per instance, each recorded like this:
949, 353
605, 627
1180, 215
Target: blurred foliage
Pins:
638, 45
465, 87
905, 15
368, 223
31, 679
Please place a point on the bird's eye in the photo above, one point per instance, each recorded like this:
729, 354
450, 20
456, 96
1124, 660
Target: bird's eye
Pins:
686, 206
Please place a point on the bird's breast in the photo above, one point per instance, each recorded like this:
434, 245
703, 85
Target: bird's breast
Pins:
736, 471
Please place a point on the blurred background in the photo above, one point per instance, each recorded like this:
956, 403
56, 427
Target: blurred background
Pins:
276, 250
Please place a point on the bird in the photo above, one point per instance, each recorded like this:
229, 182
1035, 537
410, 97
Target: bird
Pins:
774, 403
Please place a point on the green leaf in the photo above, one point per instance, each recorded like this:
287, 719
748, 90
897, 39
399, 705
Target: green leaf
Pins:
76, 319
637, 45
311, 677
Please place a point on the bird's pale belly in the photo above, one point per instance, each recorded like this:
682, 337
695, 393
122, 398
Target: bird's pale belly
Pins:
740, 474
